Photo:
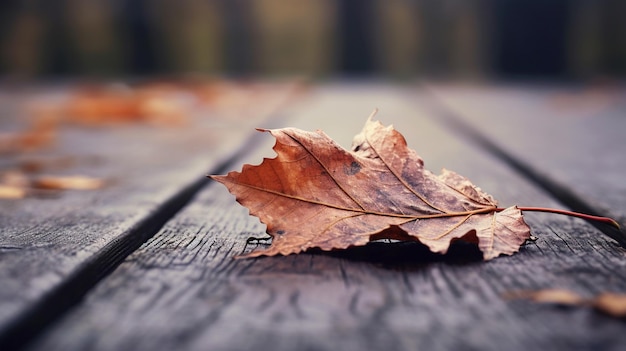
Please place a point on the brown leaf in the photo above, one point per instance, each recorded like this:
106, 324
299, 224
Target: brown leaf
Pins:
316, 194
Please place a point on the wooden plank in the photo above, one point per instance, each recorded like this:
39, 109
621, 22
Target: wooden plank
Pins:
52, 250
572, 136
182, 289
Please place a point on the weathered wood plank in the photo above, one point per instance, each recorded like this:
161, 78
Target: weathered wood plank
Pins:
53, 249
573, 136
182, 289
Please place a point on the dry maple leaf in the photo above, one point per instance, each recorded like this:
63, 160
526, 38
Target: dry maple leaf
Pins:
315, 194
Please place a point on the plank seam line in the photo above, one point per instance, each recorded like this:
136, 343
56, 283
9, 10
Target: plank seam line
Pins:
42, 313
562, 193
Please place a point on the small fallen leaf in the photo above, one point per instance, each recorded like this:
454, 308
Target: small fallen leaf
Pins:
35, 137
14, 178
40, 164
609, 303
12, 192
98, 106
555, 296
15, 184
68, 183
315, 194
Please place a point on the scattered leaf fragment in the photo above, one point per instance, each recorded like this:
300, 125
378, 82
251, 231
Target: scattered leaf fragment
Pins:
12, 192
555, 296
40, 164
14, 178
68, 183
36, 137
612, 304
25, 179
101, 105
15, 184
316, 194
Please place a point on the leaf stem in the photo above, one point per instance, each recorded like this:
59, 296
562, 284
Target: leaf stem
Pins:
411, 217
606, 220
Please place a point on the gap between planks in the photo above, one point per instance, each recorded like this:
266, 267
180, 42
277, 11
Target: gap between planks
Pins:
559, 191
72, 289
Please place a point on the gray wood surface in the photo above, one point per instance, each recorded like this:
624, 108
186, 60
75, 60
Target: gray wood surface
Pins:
573, 136
53, 249
182, 289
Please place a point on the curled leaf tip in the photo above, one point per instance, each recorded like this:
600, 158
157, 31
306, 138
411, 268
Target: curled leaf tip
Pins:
373, 114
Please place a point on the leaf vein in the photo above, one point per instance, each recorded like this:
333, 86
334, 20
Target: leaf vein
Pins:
386, 214
401, 180
326, 169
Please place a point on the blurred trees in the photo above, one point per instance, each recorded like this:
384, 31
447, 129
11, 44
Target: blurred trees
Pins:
317, 38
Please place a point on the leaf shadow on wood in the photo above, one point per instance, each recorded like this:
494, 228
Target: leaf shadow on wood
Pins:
407, 255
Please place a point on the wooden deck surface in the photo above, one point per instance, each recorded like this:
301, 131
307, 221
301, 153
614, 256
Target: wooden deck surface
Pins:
146, 262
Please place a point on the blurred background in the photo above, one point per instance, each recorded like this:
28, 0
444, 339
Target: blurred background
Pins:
399, 39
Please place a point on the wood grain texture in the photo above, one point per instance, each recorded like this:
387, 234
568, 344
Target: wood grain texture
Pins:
53, 249
182, 289
574, 136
